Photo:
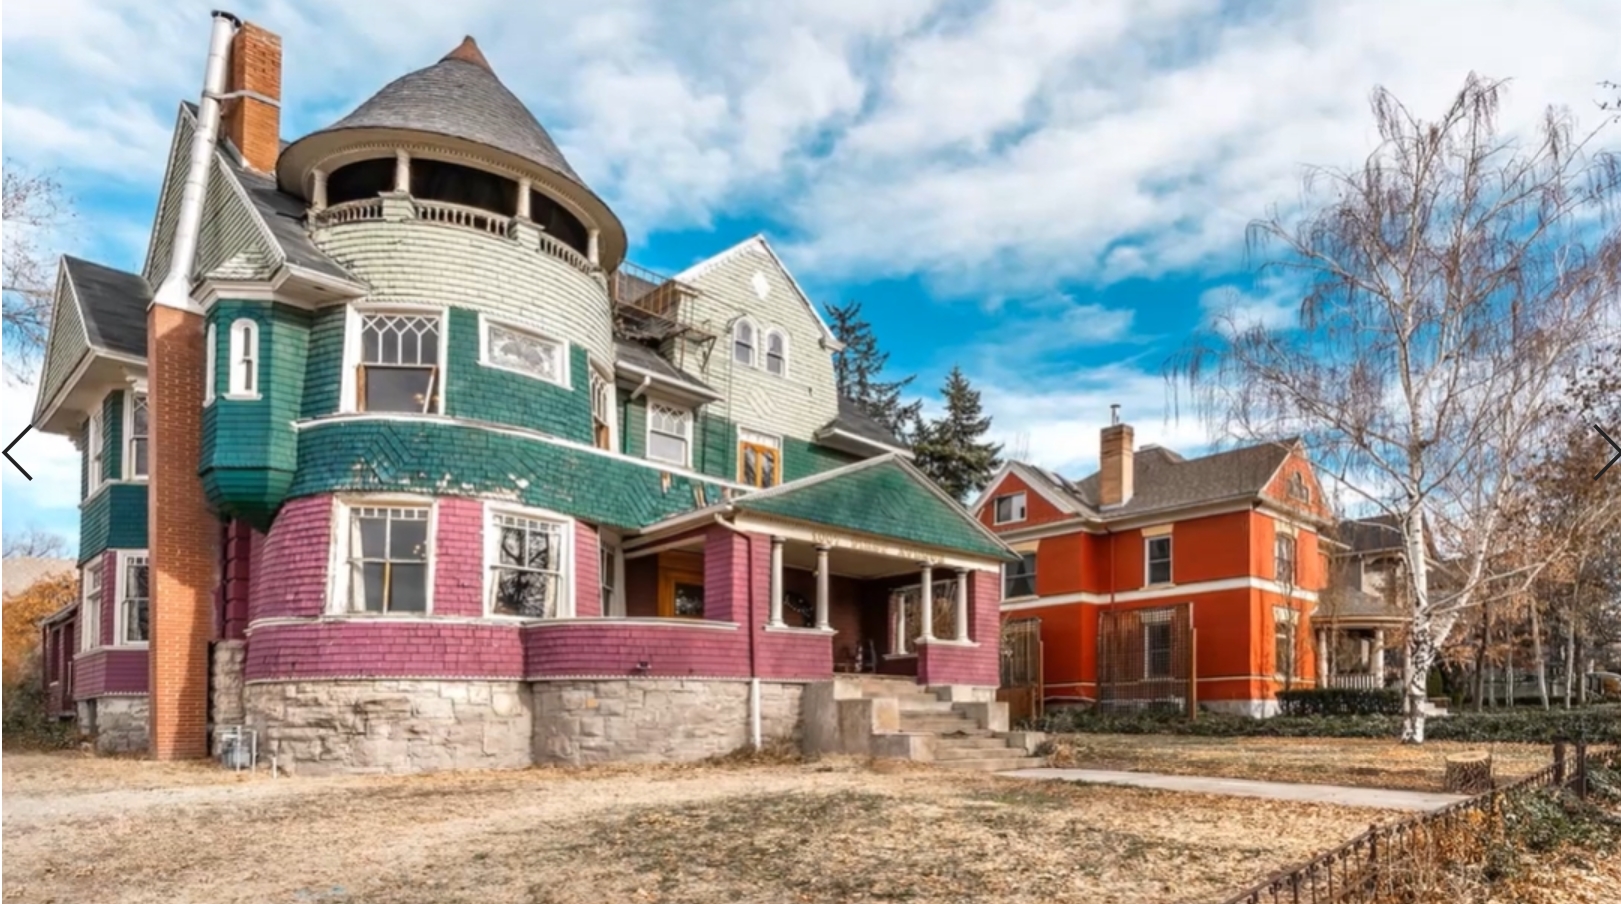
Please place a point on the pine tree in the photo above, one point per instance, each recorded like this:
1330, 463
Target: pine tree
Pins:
951, 449
858, 368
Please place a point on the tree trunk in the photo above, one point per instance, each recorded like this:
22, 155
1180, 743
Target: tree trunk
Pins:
1570, 652
1537, 656
1480, 656
1469, 773
1420, 655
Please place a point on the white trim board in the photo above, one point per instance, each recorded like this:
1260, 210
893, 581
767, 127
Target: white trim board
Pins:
1158, 593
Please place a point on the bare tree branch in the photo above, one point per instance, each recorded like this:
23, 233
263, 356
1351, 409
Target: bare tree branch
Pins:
35, 208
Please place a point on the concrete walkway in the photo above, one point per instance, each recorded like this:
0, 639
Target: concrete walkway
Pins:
1378, 798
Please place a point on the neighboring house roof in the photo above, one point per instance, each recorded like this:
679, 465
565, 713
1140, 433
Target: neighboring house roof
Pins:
460, 97
1162, 479
641, 360
855, 421
1370, 535
113, 305
19, 573
1353, 605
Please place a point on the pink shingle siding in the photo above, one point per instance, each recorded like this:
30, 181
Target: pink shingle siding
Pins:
458, 563
615, 647
291, 578
382, 648
587, 571
109, 671
978, 665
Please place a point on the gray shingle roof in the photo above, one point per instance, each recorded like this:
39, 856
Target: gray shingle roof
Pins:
284, 215
1351, 604
1368, 535
647, 359
460, 97
113, 304
1162, 479
853, 420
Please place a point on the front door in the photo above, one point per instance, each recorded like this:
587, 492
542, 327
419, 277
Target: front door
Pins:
681, 585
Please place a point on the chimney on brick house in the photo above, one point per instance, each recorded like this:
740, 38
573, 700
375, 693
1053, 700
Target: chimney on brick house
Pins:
1116, 461
252, 117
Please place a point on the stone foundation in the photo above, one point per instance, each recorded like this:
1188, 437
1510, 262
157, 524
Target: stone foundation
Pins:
119, 724
226, 706
655, 719
374, 726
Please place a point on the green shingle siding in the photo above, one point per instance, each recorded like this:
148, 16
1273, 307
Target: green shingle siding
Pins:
481, 393
323, 374
802, 459
114, 519
633, 432
885, 500
112, 445
450, 459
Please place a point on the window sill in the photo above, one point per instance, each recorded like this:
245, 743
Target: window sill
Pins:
1162, 585
893, 656
1026, 598
241, 397
136, 645
790, 629
948, 642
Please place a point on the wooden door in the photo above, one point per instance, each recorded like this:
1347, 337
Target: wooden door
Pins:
681, 585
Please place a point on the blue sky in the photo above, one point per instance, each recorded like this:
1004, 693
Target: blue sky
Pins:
1050, 193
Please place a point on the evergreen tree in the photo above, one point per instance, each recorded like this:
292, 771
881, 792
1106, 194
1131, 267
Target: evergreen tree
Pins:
858, 368
951, 449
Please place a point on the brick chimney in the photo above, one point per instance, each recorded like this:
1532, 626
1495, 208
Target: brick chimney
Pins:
252, 121
1116, 461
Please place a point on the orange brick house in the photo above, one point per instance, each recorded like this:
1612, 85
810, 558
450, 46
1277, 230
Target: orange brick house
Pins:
1161, 577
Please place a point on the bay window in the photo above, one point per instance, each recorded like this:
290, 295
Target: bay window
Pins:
388, 558
134, 603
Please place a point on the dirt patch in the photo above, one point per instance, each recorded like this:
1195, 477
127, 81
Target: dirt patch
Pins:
822, 832
1330, 761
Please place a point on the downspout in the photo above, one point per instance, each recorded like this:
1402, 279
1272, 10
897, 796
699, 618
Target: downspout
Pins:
175, 290
754, 672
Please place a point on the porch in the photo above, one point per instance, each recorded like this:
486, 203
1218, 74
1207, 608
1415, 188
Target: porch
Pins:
1357, 657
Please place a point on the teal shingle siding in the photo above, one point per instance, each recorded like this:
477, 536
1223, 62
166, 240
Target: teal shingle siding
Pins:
884, 500
450, 459
114, 519
84, 460
481, 393
112, 446
323, 374
802, 459
633, 428
249, 448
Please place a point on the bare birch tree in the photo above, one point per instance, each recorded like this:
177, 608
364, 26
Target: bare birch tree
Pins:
34, 207
1450, 284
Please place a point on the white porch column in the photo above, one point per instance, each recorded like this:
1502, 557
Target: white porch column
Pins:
1377, 667
822, 579
591, 246
318, 192
1364, 648
775, 618
402, 171
897, 644
925, 622
1322, 657
962, 605
523, 197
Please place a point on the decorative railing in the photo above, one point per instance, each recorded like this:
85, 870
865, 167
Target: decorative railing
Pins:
1362, 682
556, 248
363, 210
461, 216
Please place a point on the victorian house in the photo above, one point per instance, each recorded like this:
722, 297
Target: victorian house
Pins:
392, 456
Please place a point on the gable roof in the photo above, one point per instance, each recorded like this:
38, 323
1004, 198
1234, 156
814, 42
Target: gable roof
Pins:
758, 242
884, 496
1362, 536
1048, 485
282, 216
1163, 480
113, 305
854, 421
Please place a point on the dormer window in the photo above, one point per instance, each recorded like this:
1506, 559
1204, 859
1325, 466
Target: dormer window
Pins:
743, 343
776, 353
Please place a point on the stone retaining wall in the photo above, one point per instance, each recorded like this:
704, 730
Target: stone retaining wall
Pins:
655, 719
226, 708
119, 723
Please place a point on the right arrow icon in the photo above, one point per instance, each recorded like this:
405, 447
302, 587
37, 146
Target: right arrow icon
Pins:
1613, 445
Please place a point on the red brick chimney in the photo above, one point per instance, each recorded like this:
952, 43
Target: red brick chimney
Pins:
252, 120
1116, 461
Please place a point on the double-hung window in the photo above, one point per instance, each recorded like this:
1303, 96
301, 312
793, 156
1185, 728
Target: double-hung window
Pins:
139, 430
606, 562
527, 563
1009, 508
743, 343
134, 605
388, 556
399, 363
1157, 643
96, 439
759, 459
669, 433
776, 353
1159, 560
244, 373
1019, 579
1284, 559
601, 411
1284, 620
90, 608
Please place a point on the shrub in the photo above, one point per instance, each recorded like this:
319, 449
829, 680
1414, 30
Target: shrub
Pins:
1599, 724
26, 723
1339, 701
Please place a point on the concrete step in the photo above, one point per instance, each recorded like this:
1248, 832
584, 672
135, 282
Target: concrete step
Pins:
977, 753
948, 742
890, 687
929, 705
957, 734
997, 764
939, 724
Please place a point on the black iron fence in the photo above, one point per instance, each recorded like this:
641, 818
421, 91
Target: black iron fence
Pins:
1383, 862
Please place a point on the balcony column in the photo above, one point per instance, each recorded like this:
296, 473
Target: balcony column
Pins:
591, 253
523, 205
823, 577
318, 192
1322, 657
775, 618
402, 171
962, 605
925, 622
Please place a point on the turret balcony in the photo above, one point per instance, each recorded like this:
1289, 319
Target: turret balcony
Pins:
402, 208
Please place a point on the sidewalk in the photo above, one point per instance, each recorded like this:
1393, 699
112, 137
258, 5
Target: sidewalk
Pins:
1377, 798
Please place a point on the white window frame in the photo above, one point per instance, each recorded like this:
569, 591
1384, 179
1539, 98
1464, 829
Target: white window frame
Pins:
1148, 561
96, 447
766, 440
1021, 506
127, 557
485, 321
210, 357
90, 615
770, 334
492, 542
1151, 618
1286, 616
340, 568
610, 547
1034, 567
245, 349
647, 440
128, 462
754, 342
1278, 543
603, 377
349, 401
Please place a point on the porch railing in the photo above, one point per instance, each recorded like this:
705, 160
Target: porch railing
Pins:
461, 216
1362, 682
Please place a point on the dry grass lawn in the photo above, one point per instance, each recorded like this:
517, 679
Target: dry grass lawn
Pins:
1328, 761
112, 831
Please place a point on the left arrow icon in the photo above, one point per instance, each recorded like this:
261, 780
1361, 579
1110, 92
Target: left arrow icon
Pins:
7, 452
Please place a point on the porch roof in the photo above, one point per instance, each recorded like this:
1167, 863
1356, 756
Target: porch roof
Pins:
884, 497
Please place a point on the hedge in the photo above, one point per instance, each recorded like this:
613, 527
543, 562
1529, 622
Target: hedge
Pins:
1340, 701
1595, 724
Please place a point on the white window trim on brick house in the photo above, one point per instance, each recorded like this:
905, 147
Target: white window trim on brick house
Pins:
1018, 508
565, 575
647, 439
561, 346
1148, 562
340, 566
242, 381
90, 615
210, 353
349, 398
121, 587
128, 458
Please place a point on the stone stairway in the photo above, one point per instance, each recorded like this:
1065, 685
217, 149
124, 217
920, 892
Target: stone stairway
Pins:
936, 726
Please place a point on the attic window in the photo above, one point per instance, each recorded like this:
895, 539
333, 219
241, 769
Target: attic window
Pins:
1298, 488
776, 353
1010, 508
743, 343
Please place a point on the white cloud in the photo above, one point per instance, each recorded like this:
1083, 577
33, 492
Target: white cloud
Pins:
1273, 303
50, 500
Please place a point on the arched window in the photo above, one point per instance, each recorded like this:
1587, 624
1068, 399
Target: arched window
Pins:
210, 347
244, 379
776, 353
743, 343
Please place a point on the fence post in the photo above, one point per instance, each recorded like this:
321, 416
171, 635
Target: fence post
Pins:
1581, 769
1559, 764
1373, 858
